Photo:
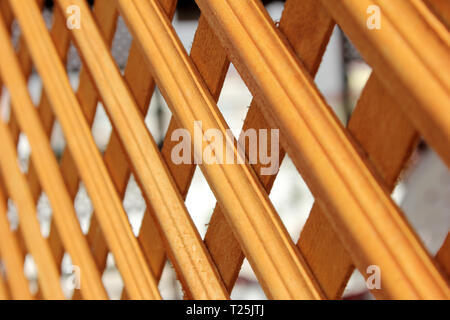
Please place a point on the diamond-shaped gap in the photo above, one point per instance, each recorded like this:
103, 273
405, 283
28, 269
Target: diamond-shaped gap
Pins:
185, 22
13, 215
158, 117
291, 198
247, 286
134, 204
234, 100
169, 286
69, 281
358, 72
330, 80
16, 34
31, 273
47, 14
57, 140
73, 66
357, 288
23, 152
200, 202
35, 87
44, 214
423, 194
275, 9
112, 280
101, 128
83, 208
5, 107
121, 44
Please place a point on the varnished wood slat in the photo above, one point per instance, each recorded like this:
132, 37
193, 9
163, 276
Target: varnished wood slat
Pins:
309, 43
7, 14
385, 133
61, 40
18, 190
212, 64
11, 255
185, 248
353, 200
4, 293
87, 98
62, 45
130, 261
22, 54
442, 9
376, 118
277, 263
47, 170
443, 255
387, 140
416, 78
142, 87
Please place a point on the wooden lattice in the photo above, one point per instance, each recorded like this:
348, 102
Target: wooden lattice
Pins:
350, 171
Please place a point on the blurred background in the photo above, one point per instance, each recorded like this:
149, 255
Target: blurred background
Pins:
423, 192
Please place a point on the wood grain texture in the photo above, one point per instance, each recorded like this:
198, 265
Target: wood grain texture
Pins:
416, 78
47, 169
351, 171
185, 248
130, 261
8, 16
61, 40
11, 256
442, 10
4, 293
277, 263
345, 189
19, 192
386, 140
142, 86
443, 256
307, 27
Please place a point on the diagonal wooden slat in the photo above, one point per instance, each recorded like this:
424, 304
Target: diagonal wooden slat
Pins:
319, 243
49, 175
443, 255
442, 9
18, 190
61, 40
130, 261
86, 95
256, 223
184, 246
416, 78
387, 139
12, 257
350, 171
309, 44
60, 35
4, 294
141, 85
7, 14
352, 199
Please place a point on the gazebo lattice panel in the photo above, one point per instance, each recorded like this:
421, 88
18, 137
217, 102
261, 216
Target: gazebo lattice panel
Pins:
350, 171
